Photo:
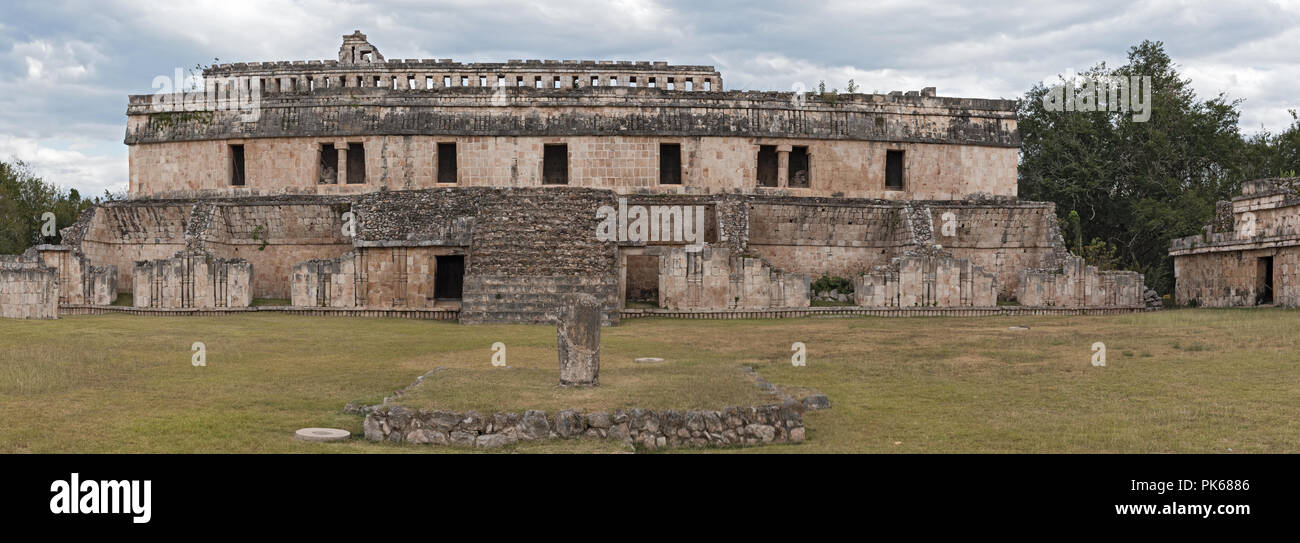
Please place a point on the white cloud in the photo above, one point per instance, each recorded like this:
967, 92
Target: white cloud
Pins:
76, 164
57, 63
70, 64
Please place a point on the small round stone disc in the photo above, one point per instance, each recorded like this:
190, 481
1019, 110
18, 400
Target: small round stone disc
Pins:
322, 434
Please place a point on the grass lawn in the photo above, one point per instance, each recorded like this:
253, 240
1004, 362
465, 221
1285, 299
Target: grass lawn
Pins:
1176, 381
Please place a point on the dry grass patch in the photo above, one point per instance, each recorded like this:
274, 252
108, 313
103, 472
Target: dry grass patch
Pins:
1177, 381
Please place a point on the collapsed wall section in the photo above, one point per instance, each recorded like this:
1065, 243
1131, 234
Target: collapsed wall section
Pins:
1001, 236
926, 278
1076, 284
192, 280
119, 234
80, 282
718, 278
326, 282
28, 288
273, 236
817, 237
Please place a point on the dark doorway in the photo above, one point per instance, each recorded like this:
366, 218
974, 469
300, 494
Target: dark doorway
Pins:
237, 165
670, 164
555, 165
449, 279
800, 169
356, 163
446, 162
767, 165
1264, 281
642, 281
329, 164
894, 170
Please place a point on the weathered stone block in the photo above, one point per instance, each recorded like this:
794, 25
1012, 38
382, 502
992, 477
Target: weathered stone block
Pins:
578, 338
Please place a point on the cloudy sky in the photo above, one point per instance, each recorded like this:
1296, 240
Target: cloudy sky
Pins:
66, 67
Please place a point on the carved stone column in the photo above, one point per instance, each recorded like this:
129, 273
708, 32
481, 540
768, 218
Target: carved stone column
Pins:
578, 339
341, 149
783, 166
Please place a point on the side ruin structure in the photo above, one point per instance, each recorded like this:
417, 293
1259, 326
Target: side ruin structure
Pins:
1249, 255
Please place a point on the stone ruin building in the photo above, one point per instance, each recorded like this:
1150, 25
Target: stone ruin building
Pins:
479, 191
1249, 255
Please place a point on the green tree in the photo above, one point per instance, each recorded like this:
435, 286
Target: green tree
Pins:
24, 198
1136, 185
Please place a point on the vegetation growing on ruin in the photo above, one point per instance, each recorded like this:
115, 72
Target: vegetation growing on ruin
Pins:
915, 385
170, 119
257, 236
828, 283
1136, 185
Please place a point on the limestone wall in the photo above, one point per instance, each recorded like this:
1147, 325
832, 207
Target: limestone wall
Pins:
325, 283
626, 164
815, 238
1076, 284
1001, 237
274, 237
80, 282
120, 235
926, 279
192, 280
1231, 278
716, 278
1225, 267
28, 288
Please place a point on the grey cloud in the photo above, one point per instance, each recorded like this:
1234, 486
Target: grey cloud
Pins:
966, 49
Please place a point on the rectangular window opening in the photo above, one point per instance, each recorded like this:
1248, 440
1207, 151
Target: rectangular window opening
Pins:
642, 281
767, 165
800, 167
356, 163
555, 164
237, 165
446, 162
894, 170
448, 277
1264, 281
329, 165
670, 164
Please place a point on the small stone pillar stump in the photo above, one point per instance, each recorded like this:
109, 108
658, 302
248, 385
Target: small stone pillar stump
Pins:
578, 338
